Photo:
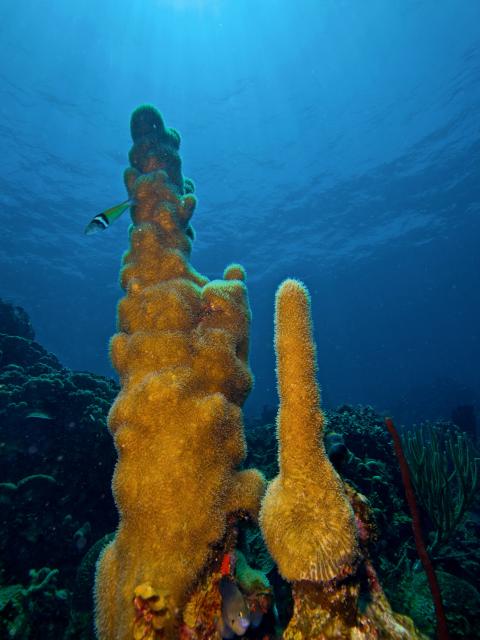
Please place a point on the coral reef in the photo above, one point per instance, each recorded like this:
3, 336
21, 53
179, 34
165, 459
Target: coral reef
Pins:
53, 504
181, 353
63, 535
372, 469
188, 560
52, 420
80, 624
27, 610
14, 321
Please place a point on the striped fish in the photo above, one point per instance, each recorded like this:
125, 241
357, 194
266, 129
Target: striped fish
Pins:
104, 219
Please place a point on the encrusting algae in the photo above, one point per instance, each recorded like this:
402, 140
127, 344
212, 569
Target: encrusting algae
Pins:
181, 351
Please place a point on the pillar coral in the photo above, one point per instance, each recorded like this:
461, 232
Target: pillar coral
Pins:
181, 352
316, 527
306, 519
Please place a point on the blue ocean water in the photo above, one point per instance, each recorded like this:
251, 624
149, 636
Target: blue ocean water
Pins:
330, 140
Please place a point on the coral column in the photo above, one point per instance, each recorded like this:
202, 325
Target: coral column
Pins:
317, 527
306, 518
181, 352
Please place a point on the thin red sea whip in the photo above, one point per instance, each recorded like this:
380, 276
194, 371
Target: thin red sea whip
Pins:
442, 629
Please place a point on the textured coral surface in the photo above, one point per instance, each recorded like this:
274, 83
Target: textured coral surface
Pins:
181, 352
306, 519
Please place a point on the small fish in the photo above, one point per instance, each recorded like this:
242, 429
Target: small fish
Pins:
104, 219
39, 415
235, 618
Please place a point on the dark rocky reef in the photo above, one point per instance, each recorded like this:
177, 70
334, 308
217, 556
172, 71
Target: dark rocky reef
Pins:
56, 457
14, 321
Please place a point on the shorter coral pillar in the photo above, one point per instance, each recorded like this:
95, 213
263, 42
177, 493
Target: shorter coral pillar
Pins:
306, 519
315, 526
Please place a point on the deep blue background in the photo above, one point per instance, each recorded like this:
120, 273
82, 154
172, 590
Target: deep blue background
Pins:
336, 141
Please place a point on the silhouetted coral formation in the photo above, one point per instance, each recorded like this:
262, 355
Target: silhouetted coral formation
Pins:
54, 504
14, 321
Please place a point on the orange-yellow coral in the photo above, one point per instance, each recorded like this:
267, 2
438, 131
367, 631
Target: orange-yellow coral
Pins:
355, 607
181, 353
306, 519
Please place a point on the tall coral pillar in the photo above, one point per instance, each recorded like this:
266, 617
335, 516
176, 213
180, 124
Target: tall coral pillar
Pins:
181, 352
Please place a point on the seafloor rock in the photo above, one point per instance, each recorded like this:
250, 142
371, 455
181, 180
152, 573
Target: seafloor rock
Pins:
371, 467
56, 458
